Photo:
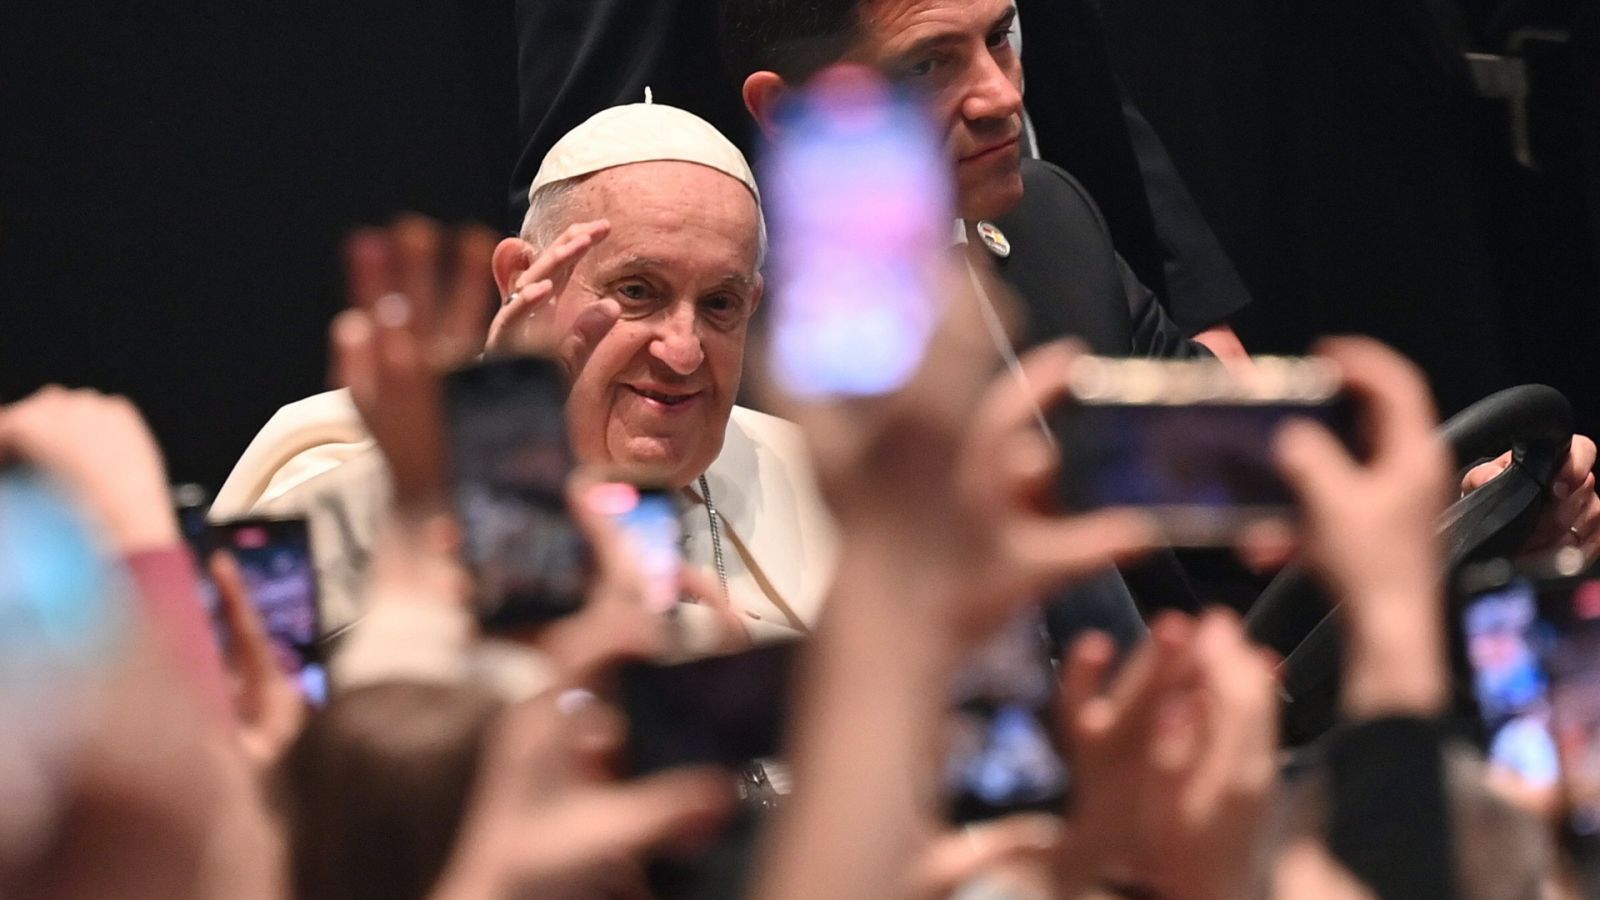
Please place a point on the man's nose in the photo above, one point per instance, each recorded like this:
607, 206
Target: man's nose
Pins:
677, 343
993, 94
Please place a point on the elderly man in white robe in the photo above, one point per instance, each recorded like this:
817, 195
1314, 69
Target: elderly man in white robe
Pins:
646, 214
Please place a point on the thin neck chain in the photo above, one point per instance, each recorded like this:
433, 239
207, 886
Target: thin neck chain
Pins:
713, 517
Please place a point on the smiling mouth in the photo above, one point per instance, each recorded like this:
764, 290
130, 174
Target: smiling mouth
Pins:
665, 399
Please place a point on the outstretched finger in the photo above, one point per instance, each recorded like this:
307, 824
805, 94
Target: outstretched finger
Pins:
510, 331
355, 363
1484, 473
1396, 402
464, 320
417, 245
1313, 462
269, 706
1055, 550
368, 263
625, 820
1083, 675
556, 261
250, 649
706, 591
956, 858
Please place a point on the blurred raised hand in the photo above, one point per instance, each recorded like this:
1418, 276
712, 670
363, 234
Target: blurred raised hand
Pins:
532, 278
1174, 762
267, 703
548, 819
944, 474
934, 487
1573, 520
420, 299
100, 449
1371, 530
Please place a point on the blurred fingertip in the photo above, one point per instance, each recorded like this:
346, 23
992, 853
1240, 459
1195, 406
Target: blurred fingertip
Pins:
1171, 627
352, 327
393, 310
1093, 646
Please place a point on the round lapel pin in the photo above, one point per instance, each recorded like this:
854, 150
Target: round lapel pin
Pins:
994, 239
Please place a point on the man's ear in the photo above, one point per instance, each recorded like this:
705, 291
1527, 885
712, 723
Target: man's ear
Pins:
762, 92
512, 257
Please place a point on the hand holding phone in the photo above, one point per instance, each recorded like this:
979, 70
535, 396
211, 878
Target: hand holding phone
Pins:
1189, 441
274, 561
1531, 639
858, 190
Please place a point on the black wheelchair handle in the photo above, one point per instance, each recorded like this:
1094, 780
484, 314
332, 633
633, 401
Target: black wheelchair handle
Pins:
1293, 616
1533, 420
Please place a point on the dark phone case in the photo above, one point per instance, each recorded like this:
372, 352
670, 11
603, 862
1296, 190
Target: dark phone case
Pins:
535, 388
724, 710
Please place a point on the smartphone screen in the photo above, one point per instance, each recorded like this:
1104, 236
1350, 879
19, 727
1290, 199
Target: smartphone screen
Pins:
510, 461
1534, 649
650, 523
274, 559
725, 710
1004, 754
857, 187
1204, 465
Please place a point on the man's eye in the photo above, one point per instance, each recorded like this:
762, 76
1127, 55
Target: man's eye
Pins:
724, 307
1001, 38
634, 290
922, 69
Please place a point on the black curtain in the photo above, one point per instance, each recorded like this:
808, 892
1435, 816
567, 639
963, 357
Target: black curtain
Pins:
175, 179
1345, 162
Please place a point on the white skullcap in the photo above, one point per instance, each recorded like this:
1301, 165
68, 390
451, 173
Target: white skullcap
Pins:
641, 132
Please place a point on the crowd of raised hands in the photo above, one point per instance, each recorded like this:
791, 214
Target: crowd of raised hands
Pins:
177, 768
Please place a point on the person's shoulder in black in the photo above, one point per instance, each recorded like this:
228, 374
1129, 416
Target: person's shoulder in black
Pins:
1063, 264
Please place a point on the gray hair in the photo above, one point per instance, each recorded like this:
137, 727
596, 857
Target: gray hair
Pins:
549, 213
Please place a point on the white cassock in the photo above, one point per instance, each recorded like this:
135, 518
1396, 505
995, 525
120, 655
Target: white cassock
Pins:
315, 458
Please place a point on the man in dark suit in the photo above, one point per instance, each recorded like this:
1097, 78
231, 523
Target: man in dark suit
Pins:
1082, 120
1048, 238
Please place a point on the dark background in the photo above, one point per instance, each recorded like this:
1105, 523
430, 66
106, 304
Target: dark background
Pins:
175, 180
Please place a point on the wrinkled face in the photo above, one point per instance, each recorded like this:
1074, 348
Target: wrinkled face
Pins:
959, 53
681, 263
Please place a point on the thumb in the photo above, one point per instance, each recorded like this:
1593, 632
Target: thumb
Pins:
1481, 475
671, 807
955, 858
1312, 461
591, 326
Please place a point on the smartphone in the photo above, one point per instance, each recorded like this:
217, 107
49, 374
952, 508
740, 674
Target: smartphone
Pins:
857, 190
510, 459
275, 561
650, 518
723, 710
192, 504
1004, 751
1531, 635
1188, 441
